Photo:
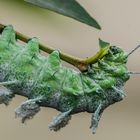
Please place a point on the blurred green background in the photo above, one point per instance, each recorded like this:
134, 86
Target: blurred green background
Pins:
120, 23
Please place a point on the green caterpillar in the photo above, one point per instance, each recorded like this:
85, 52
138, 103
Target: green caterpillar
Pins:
45, 82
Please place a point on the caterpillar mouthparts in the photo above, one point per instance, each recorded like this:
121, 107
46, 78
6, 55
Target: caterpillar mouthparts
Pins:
46, 82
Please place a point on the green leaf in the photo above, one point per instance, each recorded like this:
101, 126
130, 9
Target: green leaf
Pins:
103, 44
70, 8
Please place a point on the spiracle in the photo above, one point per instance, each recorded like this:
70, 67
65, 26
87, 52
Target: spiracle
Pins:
46, 82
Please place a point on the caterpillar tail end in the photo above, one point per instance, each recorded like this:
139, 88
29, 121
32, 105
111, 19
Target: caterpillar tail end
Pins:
5, 95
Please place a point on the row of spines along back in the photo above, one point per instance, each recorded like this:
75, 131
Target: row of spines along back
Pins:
8, 36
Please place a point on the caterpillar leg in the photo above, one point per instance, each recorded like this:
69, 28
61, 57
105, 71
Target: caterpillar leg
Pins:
96, 118
5, 95
28, 109
60, 121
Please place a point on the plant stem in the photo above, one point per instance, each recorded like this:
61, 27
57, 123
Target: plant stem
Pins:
81, 64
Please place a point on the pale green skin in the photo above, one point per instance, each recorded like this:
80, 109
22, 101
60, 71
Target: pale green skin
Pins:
37, 75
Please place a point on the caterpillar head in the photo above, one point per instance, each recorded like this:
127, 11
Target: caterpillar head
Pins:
116, 54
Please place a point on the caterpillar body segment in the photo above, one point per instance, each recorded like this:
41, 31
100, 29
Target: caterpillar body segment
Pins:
46, 82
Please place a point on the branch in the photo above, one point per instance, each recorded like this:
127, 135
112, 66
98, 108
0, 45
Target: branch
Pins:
81, 64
